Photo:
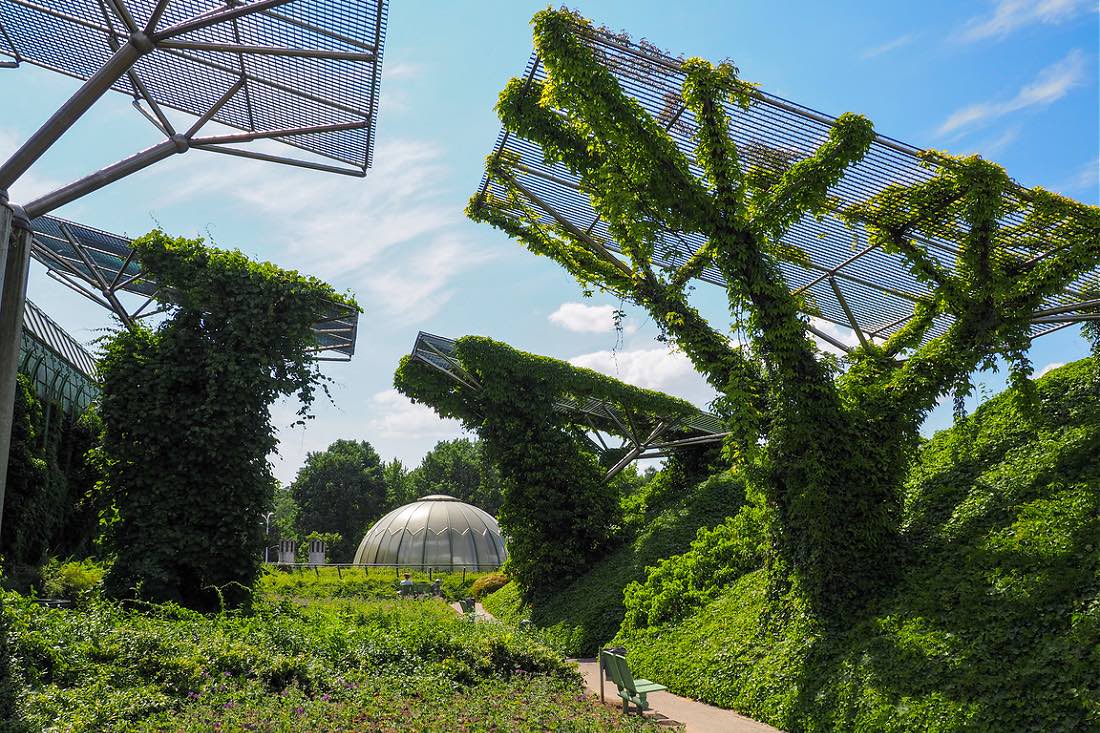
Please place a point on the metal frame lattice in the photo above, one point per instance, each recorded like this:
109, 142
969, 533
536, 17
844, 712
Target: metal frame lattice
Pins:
852, 284
642, 436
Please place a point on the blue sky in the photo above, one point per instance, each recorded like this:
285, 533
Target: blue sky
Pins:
1015, 81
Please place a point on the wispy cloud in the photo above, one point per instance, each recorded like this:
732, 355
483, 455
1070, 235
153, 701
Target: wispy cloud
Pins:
1011, 15
996, 144
664, 369
583, 318
401, 418
891, 45
1049, 85
392, 234
1086, 179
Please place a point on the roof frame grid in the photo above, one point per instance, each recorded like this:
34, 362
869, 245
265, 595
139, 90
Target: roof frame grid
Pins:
877, 292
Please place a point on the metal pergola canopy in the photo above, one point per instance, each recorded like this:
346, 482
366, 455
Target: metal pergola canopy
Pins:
302, 72
852, 284
100, 265
643, 436
60, 367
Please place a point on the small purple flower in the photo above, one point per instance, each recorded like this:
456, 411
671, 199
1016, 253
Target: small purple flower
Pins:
326, 697
230, 705
299, 711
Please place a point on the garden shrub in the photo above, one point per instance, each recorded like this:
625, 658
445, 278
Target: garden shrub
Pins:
487, 584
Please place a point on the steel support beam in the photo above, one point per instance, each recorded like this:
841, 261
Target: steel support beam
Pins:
64, 118
15, 253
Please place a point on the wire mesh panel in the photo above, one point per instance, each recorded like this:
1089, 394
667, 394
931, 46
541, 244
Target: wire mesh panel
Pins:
99, 265
300, 63
60, 368
876, 286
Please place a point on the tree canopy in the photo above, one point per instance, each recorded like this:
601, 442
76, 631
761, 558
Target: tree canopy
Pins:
340, 489
829, 448
460, 468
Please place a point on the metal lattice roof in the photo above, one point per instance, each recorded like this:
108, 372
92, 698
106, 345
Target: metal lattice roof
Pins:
59, 367
100, 265
846, 275
287, 66
644, 436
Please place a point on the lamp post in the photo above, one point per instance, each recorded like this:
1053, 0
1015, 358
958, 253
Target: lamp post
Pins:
267, 534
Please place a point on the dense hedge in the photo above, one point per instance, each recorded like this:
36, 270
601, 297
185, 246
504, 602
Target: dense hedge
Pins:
994, 625
587, 612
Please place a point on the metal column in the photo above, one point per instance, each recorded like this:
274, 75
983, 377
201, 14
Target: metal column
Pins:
15, 254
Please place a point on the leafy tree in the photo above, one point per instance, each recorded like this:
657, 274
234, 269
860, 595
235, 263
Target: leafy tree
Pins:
399, 489
187, 415
828, 449
285, 518
459, 468
341, 490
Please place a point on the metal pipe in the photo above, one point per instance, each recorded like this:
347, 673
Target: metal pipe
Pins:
206, 117
322, 31
61, 120
826, 337
314, 53
206, 20
848, 312
95, 181
158, 12
1068, 308
286, 161
15, 252
244, 137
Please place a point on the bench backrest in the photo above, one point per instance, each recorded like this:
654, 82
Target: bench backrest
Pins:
620, 671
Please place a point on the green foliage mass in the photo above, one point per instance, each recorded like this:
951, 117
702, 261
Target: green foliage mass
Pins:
489, 583
352, 666
588, 612
994, 623
356, 583
828, 450
342, 490
188, 427
52, 503
557, 511
461, 469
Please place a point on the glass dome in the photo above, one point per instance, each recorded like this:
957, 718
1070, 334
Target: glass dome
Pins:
434, 531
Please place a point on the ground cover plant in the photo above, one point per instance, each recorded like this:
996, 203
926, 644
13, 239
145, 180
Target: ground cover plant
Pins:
350, 666
994, 624
361, 583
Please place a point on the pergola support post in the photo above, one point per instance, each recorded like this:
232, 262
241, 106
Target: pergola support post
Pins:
15, 254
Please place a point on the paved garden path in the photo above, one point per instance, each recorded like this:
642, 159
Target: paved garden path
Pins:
696, 717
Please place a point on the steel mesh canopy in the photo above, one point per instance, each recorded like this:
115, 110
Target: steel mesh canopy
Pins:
100, 265
60, 368
271, 68
644, 436
851, 284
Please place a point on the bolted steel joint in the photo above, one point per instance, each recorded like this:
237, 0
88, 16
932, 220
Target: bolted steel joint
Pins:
141, 42
182, 143
19, 218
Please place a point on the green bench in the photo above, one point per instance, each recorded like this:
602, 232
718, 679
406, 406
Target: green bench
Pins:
468, 605
419, 589
630, 690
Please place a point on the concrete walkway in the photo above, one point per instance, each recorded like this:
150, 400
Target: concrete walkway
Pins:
669, 709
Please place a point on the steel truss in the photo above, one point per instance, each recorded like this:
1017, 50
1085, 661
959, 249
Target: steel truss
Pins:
301, 72
851, 283
640, 435
100, 266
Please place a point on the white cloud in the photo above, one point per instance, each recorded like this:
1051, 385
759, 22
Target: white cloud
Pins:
30, 185
390, 234
400, 418
1050, 368
582, 318
659, 368
1050, 85
891, 45
1011, 15
1085, 179
844, 335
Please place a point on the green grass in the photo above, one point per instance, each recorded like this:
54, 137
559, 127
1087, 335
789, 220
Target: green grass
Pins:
995, 624
363, 583
589, 611
350, 665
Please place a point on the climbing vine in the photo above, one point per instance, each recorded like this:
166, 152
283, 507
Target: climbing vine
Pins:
188, 428
558, 514
828, 449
